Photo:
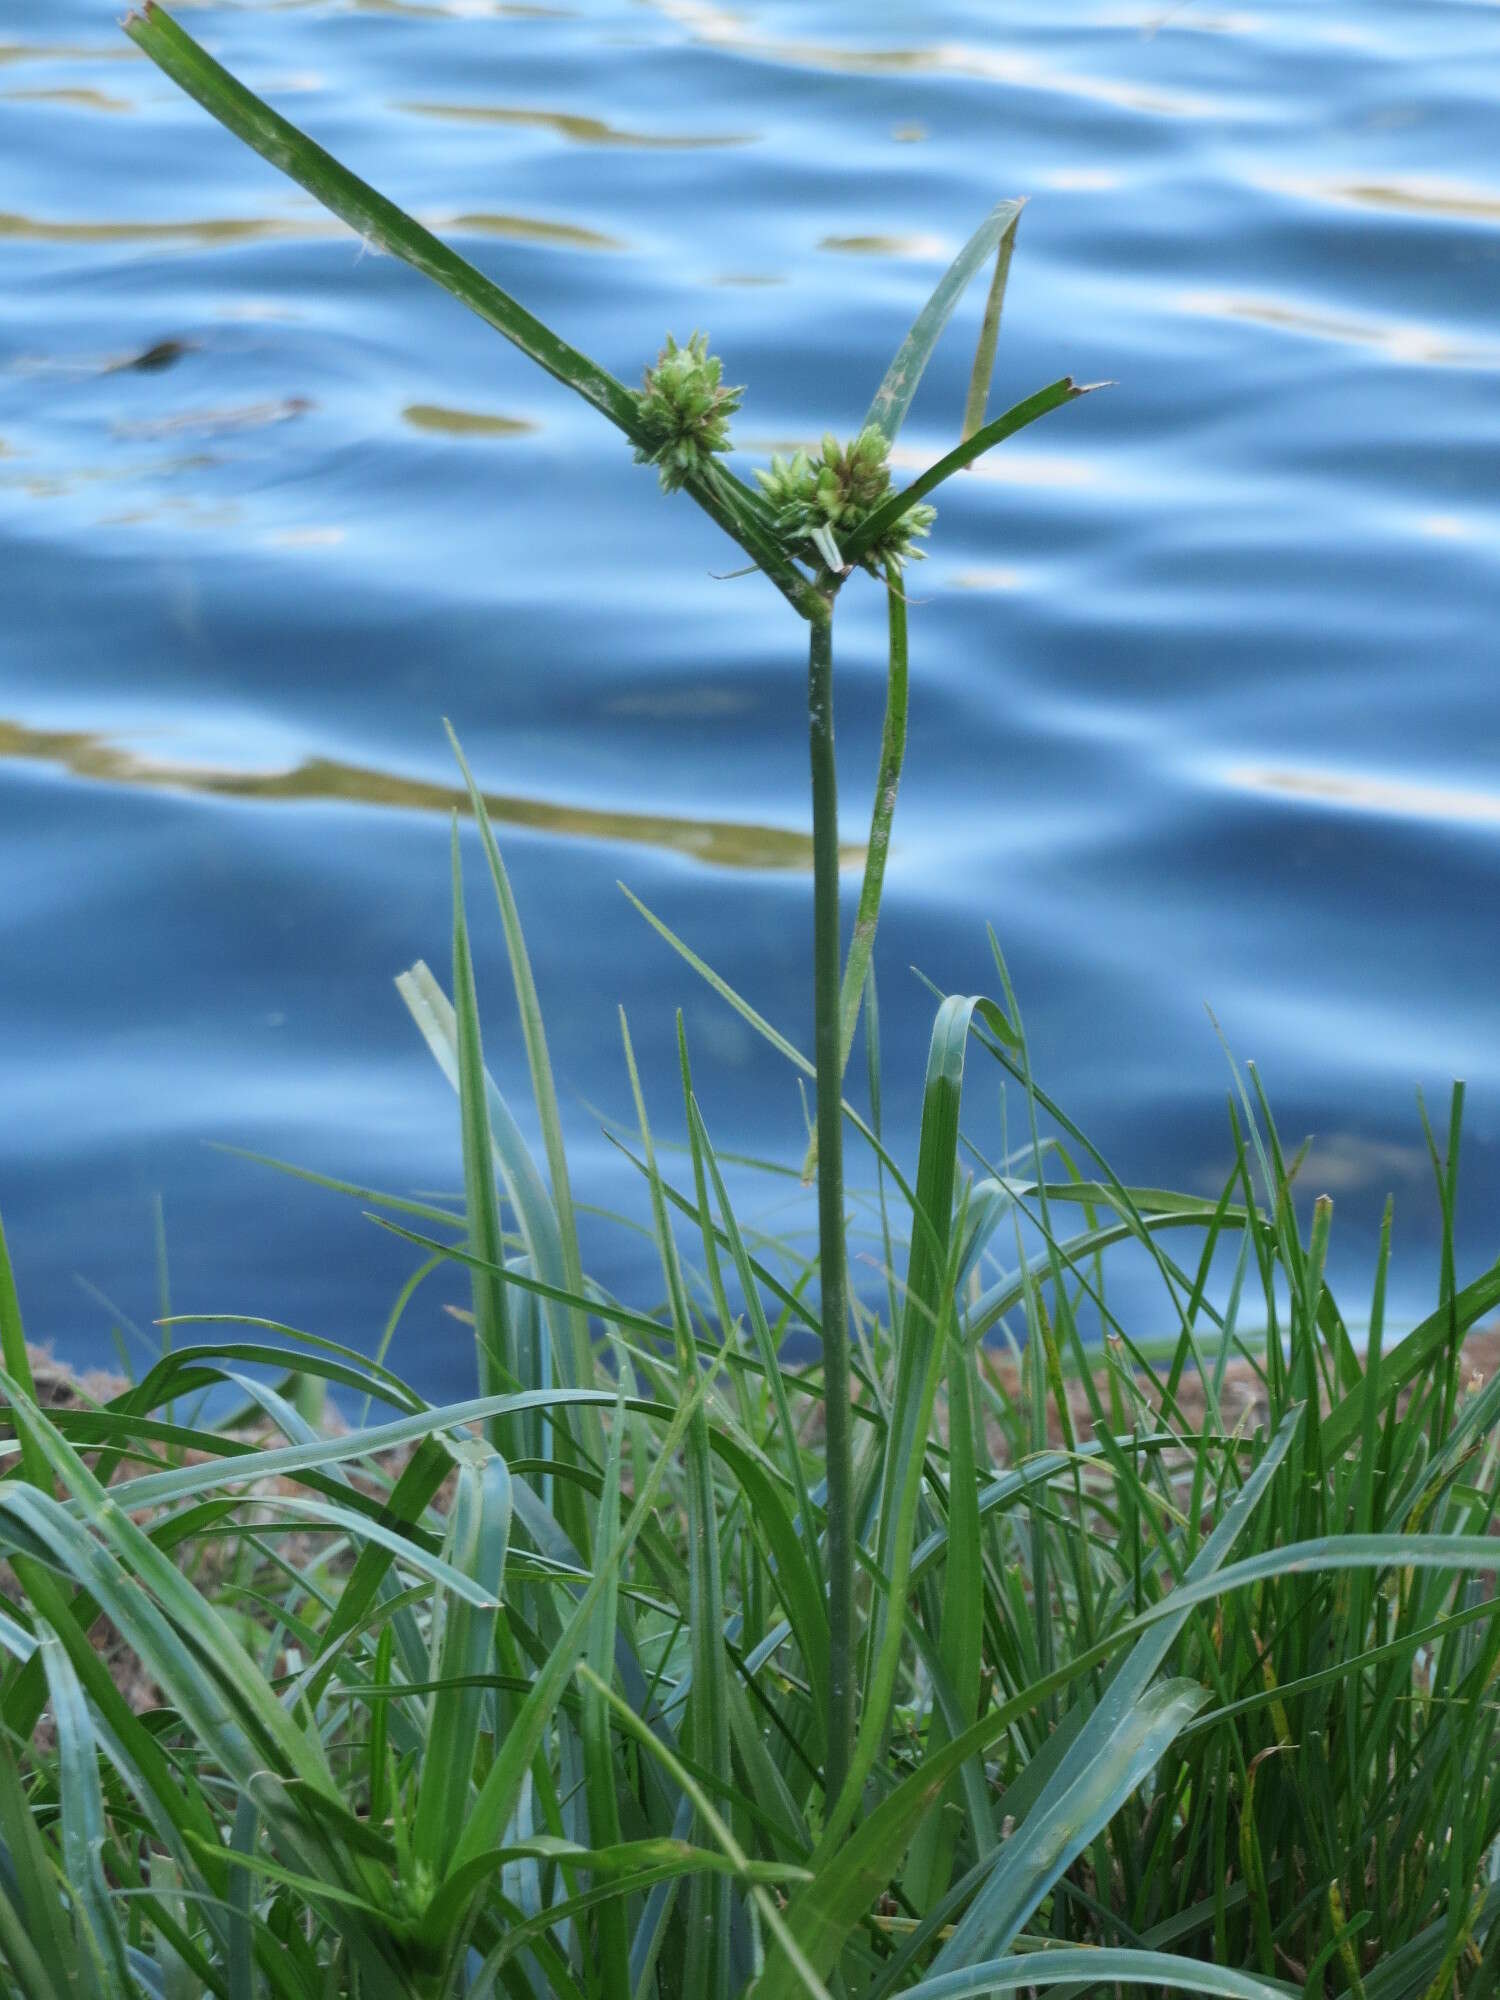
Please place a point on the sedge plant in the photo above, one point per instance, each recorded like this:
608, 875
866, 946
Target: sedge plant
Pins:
1179, 1657
817, 518
1175, 1656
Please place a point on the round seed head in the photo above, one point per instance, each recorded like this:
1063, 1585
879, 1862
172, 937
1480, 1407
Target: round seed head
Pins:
834, 494
684, 411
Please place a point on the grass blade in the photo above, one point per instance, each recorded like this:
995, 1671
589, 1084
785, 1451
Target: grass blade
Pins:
708, 1963
100, 1945
890, 510
543, 1089
1120, 1742
16, 1358
36, 1938
894, 396
724, 990
492, 1326
1095, 1970
598, 1748
926, 1317
478, 1538
372, 217
989, 331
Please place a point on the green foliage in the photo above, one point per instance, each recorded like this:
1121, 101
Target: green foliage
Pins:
679, 423
770, 1640
1195, 1691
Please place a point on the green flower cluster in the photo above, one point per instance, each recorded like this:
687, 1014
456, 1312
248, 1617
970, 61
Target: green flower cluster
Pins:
685, 411
814, 500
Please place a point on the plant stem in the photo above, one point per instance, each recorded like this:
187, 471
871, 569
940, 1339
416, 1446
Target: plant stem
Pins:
832, 1275
882, 813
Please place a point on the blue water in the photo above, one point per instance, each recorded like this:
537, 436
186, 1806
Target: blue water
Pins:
1204, 687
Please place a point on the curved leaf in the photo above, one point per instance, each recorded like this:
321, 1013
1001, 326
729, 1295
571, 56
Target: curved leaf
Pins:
893, 398
890, 510
1098, 1969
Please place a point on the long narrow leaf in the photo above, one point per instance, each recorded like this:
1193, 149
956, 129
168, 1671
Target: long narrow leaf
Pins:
1117, 1746
989, 332
382, 224
894, 396
494, 1337
478, 1538
373, 218
95, 1919
890, 510
1094, 1970
925, 1320
708, 1962
543, 1089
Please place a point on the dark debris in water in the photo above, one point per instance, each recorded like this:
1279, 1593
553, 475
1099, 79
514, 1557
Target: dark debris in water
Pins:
161, 354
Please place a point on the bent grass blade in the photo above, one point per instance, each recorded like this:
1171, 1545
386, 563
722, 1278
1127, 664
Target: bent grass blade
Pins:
889, 512
893, 398
380, 223
369, 214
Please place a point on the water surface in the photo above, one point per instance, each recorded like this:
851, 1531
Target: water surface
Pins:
1204, 702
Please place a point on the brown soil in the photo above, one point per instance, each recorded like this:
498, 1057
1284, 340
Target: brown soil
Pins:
1242, 1403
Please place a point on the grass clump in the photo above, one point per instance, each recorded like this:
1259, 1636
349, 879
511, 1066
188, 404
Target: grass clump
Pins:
666, 1666
527, 1694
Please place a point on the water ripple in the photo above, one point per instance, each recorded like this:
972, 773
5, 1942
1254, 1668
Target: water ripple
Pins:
1398, 340
568, 125
209, 232
718, 843
1368, 792
1447, 201
75, 97
721, 29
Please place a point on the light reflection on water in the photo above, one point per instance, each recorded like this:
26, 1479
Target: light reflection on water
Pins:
716, 843
207, 231
1399, 342
1204, 684
569, 125
737, 32
1450, 201
1354, 791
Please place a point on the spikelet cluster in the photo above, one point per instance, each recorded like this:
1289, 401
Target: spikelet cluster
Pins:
684, 410
817, 499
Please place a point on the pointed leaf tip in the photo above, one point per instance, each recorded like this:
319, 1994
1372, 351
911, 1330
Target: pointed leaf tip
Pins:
1064, 390
894, 396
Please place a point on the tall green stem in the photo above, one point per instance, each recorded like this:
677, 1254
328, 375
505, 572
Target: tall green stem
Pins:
832, 1274
882, 813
